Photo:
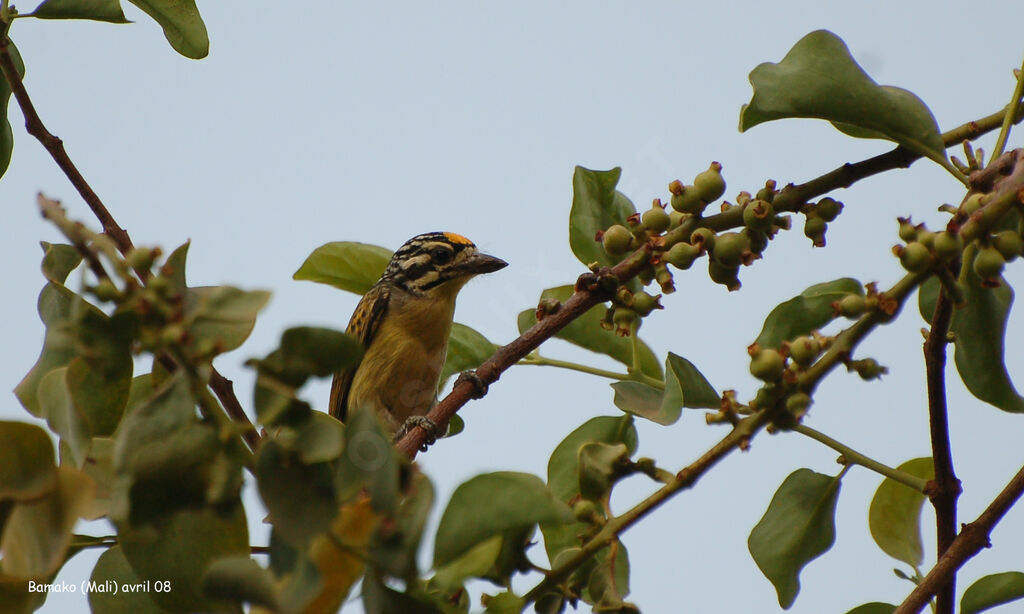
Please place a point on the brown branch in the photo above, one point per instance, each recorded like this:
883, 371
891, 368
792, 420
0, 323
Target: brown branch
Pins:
973, 537
944, 489
221, 386
34, 126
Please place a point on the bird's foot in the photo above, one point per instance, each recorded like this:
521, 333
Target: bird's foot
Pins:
422, 422
479, 387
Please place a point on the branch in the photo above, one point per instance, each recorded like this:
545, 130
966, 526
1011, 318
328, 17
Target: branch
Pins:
853, 457
944, 489
973, 537
221, 386
34, 126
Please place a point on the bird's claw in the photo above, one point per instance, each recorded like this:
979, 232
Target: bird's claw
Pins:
479, 387
422, 422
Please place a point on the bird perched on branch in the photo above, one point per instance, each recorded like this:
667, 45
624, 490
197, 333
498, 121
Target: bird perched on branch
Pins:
403, 322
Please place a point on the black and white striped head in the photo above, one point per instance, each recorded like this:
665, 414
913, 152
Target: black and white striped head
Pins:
429, 260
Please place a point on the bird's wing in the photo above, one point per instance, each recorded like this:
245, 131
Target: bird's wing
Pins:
363, 326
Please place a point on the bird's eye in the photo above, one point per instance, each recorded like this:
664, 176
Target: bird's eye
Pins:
442, 255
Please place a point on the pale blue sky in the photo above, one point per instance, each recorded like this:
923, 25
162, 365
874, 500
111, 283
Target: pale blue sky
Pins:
378, 121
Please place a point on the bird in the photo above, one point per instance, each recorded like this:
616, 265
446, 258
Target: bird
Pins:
403, 323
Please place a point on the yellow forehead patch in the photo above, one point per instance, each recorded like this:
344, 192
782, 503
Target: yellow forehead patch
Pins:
457, 239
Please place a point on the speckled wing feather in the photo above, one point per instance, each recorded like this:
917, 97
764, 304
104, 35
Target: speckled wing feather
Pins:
364, 324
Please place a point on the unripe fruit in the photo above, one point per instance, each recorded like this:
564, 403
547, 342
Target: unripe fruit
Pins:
908, 232
105, 290
688, 200
948, 245
709, 184
798, 404
767, 365
868, 369
828, 208
675, 219
758, 215
585, 510
616, 240
703, 237
926, 237
767, 192
725, 275
814, 229
852, 305
1009, 243
656, 219
915, 257
729, 248
644, 304
989, 263
972, 204
681, 255
758, 240
803, 350
624, 320
140, 258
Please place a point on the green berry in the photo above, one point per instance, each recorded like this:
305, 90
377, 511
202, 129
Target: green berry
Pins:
644, 304
1009, 243
585, 510
926, 237
656, 219
675, 219
767, 365
803, 350
868, 368
140, 258
703, 237
798, 404
688, 200
828, 208
908, 232
989, 263
915, 257
105, 290
725, 275
758, 240
616, 240
852, 305
681, 255
814, 229
972, 204
710, 184
758, 215
948, 245
730, 248
767, 192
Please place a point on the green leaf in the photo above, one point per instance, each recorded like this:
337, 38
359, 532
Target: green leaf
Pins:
473, 563
6, 134
319, 439
111, 573
991, 591
491, 504
369, 461
980, 333
810, 310
505, 603
467, 349
895, 514
798, 526
222, 316
239, 579
97, 10
37, 533
27, 469
601, 464
59, 260
564, 473
586, 332
875, 607
819, 79
182, 24
596, 205
694, 389
645, 401
685, 386
301, 498
178, 548
350, 266
395, 553
62, 416
379, 598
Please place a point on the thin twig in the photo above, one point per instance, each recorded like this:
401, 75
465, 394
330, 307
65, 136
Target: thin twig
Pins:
220, 385
972, 538
853, 457
1014, 106
944, 489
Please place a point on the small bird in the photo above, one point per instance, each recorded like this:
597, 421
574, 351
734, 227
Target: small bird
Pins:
403, 322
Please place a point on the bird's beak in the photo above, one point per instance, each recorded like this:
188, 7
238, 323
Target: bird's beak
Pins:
481, 263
